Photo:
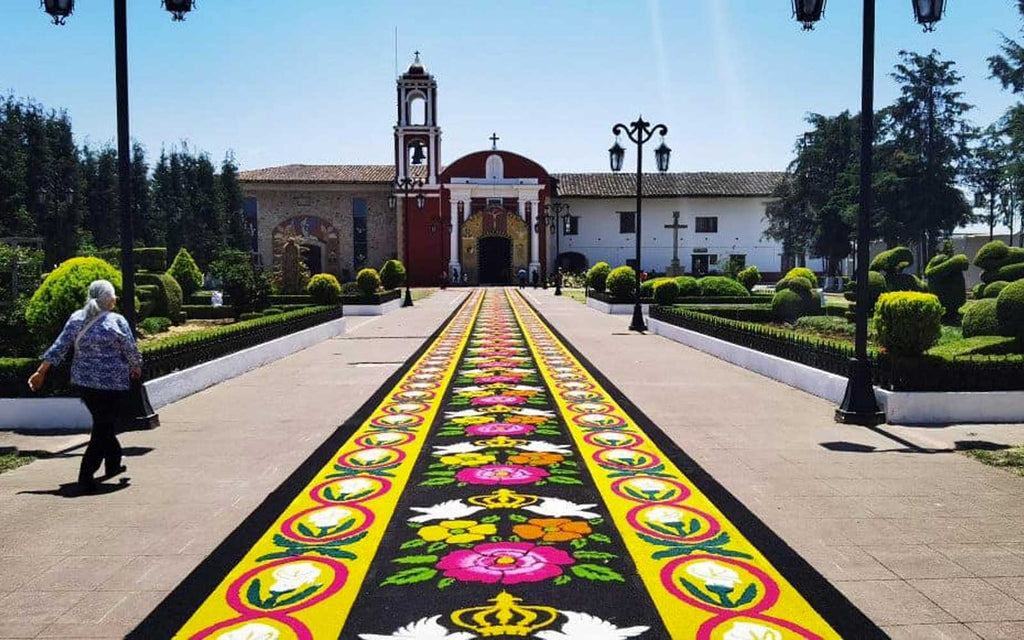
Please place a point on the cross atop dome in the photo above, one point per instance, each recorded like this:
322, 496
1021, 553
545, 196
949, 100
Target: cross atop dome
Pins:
417, 68
494, 141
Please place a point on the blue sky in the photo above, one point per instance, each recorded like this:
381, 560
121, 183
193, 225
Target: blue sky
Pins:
309, 81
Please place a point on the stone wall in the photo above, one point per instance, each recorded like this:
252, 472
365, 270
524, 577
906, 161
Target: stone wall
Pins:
331, 203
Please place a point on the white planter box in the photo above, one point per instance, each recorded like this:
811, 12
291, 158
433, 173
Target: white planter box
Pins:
625, 309
901, 407
372, 309
71, 414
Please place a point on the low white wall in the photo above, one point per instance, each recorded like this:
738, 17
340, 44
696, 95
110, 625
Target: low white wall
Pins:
901, 407
71, 414
372, 309
623, 309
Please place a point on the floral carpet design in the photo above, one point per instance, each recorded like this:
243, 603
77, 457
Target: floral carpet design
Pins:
500, 491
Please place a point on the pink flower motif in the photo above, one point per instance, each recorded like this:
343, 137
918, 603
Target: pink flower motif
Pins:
489, 401
500, 429
498, 379
498, 365
501, 474
505, 562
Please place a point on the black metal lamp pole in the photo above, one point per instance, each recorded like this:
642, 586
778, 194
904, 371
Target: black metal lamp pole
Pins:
406, 185
554, 212
639, 132
859, 405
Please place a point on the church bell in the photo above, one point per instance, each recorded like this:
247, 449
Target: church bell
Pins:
418, 156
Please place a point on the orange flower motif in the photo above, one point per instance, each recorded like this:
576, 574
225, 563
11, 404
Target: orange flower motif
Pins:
535, 459
551, 529
527, 419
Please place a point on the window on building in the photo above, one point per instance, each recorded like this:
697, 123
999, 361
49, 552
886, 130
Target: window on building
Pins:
739, 259
570, 225
627, 222
713, 258
706, 224
359, 249
493, 202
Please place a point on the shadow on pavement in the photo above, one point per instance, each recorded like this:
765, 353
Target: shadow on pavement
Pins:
72, 490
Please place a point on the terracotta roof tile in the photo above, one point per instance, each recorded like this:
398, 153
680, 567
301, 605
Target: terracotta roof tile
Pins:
668, 185
339, 173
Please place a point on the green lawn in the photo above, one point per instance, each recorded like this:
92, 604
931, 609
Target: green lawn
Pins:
420, 293
1010, 459
13, 460
576, 294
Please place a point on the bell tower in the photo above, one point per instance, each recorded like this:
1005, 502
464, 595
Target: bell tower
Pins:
417, 136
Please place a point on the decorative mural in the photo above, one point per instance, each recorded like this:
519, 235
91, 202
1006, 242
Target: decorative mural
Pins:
498, 223
309, 231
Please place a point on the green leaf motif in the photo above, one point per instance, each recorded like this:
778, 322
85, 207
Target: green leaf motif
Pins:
426, 559
437, 546
306, 531
252, 594
596, 572
437, 482
562, 580
412, 544
517, 518
600, 537
410, 576
444, 583
563, 480
297, 597
490, 519
594, 555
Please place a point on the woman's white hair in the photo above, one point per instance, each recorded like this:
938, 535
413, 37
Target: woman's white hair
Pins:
101, 298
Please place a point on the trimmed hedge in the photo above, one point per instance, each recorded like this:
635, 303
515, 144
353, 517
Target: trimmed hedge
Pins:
803, 272
945, 275
63, 292
980, 319
992, 289
597, 276
151, 259
904, 282
788, 304
368, 281
392, 274
206, 312
278, 300
977, 346
323, 288
379, 297
666, 291
756, 298
749, 277
892, 261
688, 286
1008, 272
720, 286
744, 312
996, 254
1010, 309
621, 282
185, 270
908, 322
154, 324
167, 301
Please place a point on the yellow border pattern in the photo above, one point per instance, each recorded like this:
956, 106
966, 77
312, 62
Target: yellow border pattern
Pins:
302, 576
685, 572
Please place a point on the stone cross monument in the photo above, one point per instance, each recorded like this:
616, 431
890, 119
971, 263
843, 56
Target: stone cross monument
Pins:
675, 269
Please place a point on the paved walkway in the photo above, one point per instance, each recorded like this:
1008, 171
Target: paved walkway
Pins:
93, 567
928, 543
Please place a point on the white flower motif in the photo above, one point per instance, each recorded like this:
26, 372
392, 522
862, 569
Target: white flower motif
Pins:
422, 629
539, 446
663, 515
465, 413
330, 517
293, 576
472, 389
251, 631
448, 510
387, 437
713, 574
559, 508
527, 387
583, 626
370, 456
647, 484
751, 631
621, 454
525, 411
612, 436
461, 447
352, 486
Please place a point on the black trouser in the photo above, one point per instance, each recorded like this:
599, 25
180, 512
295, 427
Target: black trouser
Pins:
105, 407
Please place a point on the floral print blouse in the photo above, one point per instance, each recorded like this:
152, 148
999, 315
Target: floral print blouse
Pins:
104, 355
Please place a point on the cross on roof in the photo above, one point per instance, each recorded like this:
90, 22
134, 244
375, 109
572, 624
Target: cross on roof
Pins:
417, 55
494, 140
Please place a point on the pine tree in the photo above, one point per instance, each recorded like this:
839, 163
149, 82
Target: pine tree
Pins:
231, 190
141, 199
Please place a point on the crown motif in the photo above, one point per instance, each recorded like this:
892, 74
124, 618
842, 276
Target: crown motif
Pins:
503, 499
505, 618
500, 442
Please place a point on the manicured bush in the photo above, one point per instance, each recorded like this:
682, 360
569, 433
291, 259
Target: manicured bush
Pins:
892, 261
350, 289
904, 282
799, 284
945, 275
978, 291
980, 319
687, 286
827, 324
597, 277
1010, 310
151, 259
749, 277
1008, 272
976, 346
788, 305
146, 296
992, 289
721, 286
744, 312
206, 312
186, 272
249, 315
279, 300
392, 274
996, 254
908, 322
647, 287
323, 288
876, 287
272, 311
63, 292
247, 286
666, 291
621, 282
154, 324
167, 300
368, 281
803, 272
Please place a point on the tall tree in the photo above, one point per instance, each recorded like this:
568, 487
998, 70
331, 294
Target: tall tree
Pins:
231, 191
988, 172
1008, 66
141, 216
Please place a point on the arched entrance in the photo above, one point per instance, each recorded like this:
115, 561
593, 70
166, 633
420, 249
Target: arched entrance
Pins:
313, 257
319, 240
495, 260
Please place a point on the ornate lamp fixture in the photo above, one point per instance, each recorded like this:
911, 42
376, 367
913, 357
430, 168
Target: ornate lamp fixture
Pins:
421, 200
178, 8
928, 12
616, 155
661, 155
59, 10
808, 12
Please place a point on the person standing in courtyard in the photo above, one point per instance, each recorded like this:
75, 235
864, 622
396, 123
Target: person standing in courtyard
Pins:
105, 361
522, 277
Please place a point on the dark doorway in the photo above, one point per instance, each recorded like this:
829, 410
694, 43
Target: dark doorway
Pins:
699, 264
495, 256
313, 258
572, 262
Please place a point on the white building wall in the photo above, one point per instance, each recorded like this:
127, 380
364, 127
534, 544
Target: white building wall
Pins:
740, 226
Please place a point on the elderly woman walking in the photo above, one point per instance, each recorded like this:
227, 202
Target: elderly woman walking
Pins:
105, 360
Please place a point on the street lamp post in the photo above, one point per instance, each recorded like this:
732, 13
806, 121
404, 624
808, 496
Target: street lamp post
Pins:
442, 222
639, 132
552, 213
59, 10
406, 185
859, 405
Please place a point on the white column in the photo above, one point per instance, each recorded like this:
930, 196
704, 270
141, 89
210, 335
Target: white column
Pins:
534, 240
454, 267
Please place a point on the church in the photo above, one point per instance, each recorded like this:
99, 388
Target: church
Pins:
482, 218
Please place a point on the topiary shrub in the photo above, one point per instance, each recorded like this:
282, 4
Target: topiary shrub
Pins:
720, 286
621, 283
597, 277
749, 277
876, 287
666, 291
803, 272
908, 322
167, 295
392, 274
803, 289
978, 291
688, 286
63, 292
154, 324
996, 254
892, 261
249, 315
186, 272
799, 284
980, 319
647, 287
324, 288
151, 259
1009, 272
945, 275
992, 289
1010, 310
272, 311
904, 282
788, 305
350, 289
368, 281
247, 286
146, 296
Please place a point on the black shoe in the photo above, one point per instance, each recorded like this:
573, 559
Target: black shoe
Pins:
108, 473
86, 486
